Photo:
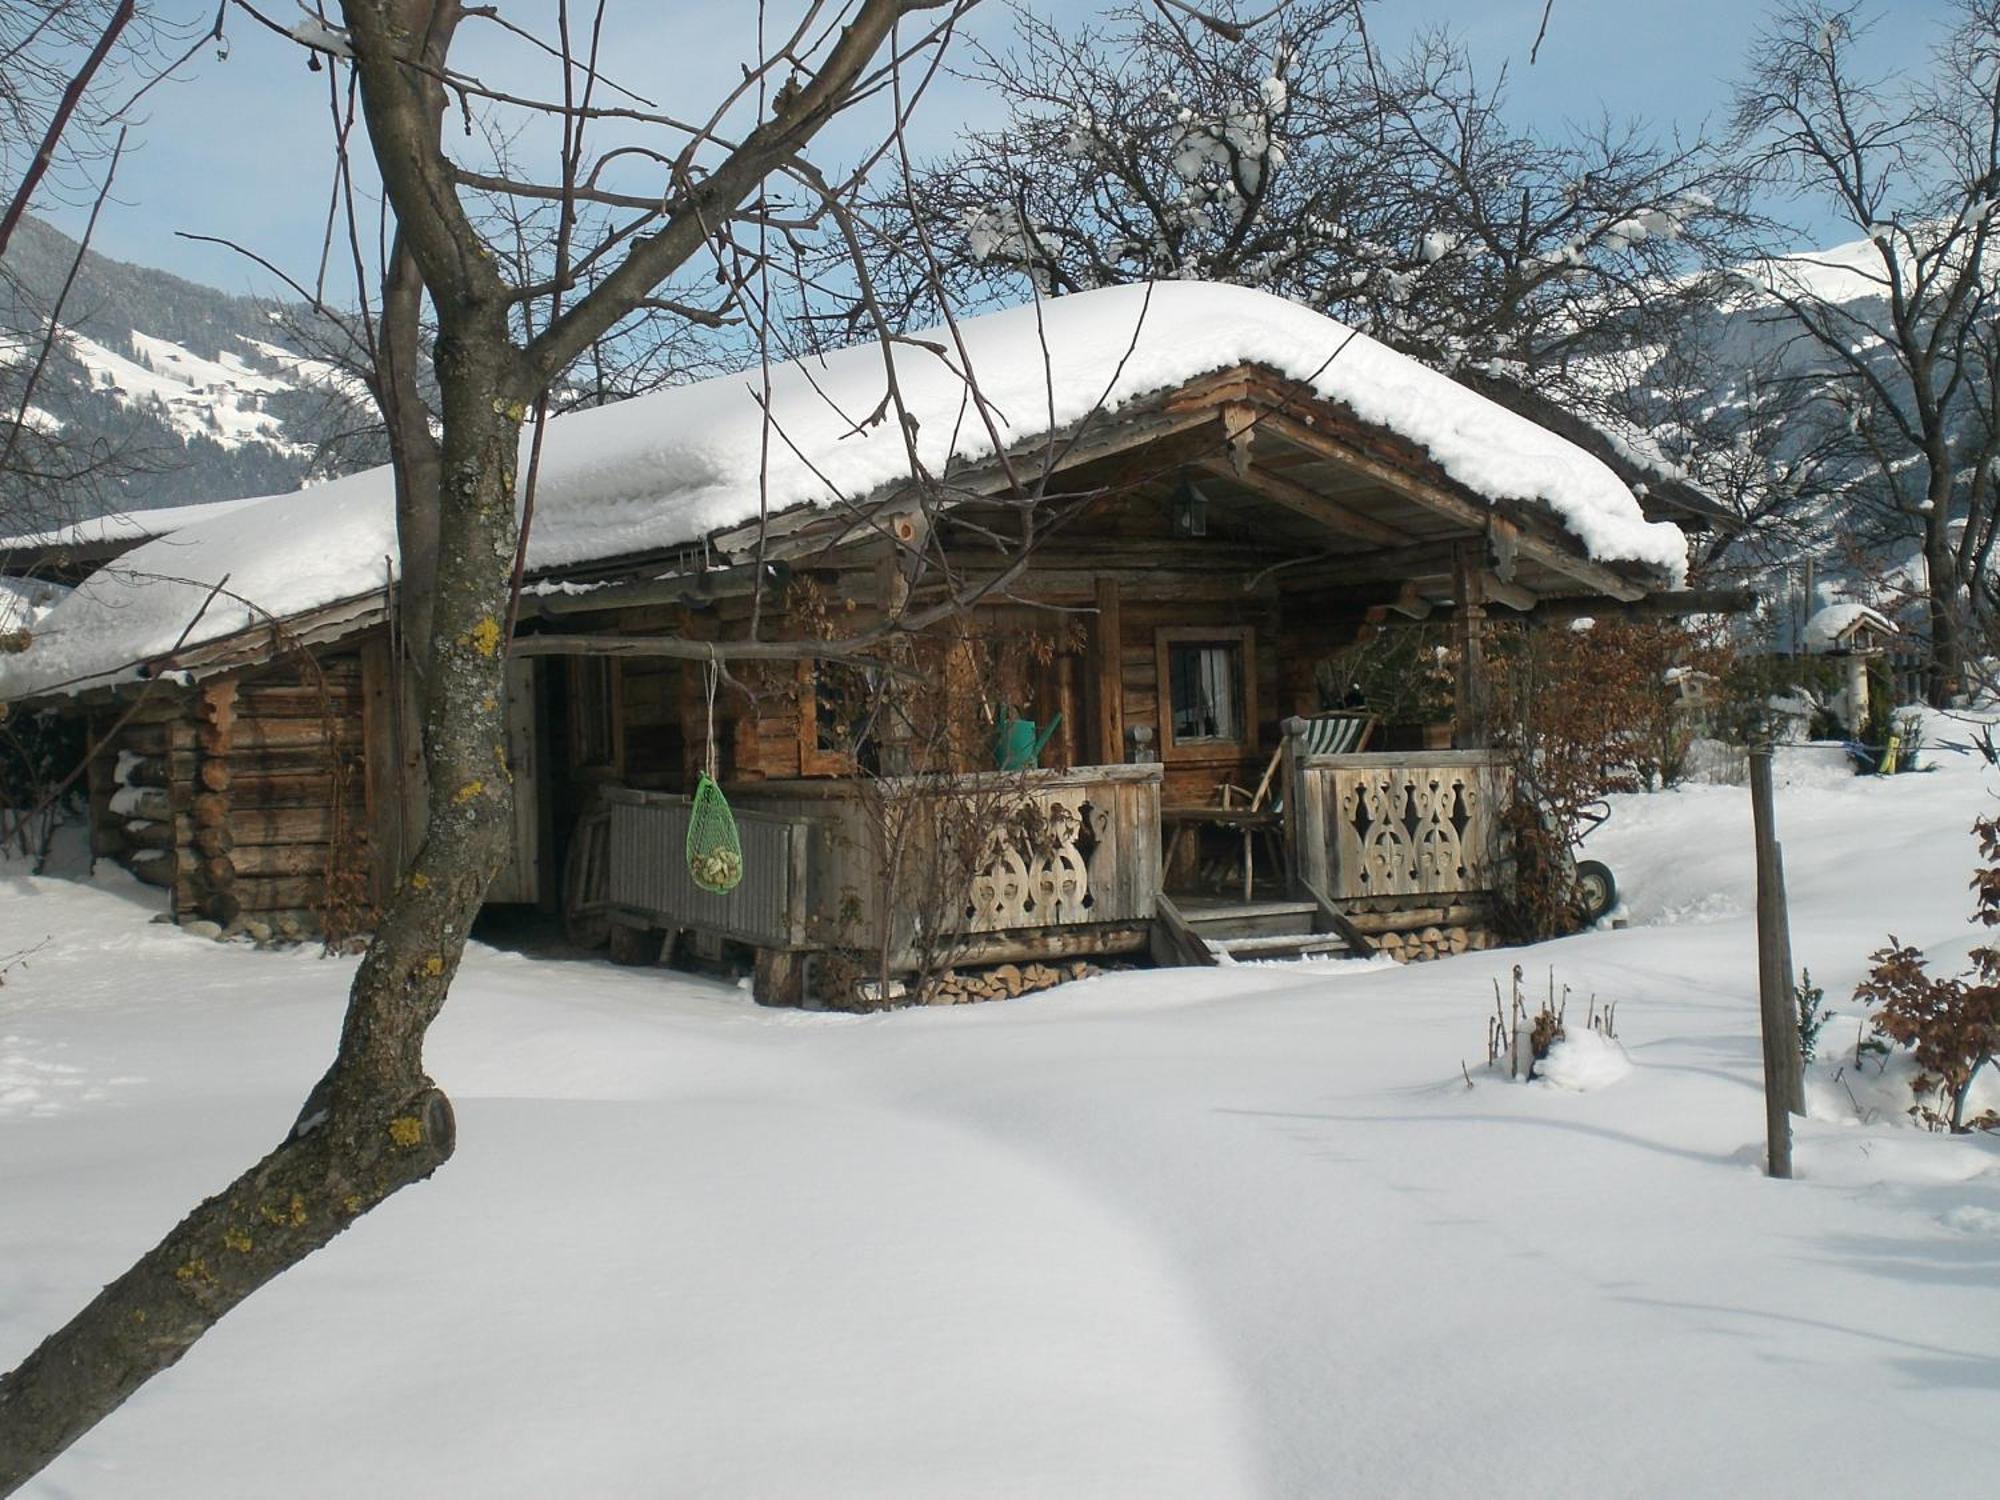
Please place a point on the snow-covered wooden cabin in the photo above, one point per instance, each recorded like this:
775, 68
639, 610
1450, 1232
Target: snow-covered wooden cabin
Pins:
1167, 506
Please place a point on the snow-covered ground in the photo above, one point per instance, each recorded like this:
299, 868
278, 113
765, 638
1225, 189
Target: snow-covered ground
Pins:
1238, 1232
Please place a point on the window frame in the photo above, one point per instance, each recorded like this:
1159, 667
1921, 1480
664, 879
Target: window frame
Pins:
1243, 638
814, 758
596, 714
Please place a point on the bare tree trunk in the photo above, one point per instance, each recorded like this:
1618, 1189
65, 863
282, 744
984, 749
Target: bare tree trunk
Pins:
413, 451
1944, 664
375, 1123
414, 457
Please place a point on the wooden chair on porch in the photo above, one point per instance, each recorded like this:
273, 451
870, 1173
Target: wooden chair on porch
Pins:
1340, 731
1260, 813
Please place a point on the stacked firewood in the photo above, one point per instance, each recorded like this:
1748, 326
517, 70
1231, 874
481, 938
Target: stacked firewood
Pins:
1420, 943
1006, 981
137, 813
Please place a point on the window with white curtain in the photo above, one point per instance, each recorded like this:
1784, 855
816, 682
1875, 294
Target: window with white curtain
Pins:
1205, 691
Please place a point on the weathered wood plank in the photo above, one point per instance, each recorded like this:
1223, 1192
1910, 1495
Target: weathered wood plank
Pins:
251, 791
281, 859
303, 761
286, 825
1108, 654
250, 736
306, 701
287, 893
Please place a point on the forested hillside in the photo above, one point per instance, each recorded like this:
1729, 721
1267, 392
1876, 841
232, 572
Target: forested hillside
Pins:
166, 391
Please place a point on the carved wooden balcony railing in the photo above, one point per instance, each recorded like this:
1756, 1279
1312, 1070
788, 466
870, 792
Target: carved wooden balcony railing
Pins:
1422, 823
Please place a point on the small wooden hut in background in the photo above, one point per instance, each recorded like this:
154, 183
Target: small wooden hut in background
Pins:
1859, 637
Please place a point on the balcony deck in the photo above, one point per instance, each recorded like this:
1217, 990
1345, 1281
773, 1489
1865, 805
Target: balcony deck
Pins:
1068, 863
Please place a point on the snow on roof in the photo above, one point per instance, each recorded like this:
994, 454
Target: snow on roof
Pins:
1829, 628
125, 526
23, 601
670, 468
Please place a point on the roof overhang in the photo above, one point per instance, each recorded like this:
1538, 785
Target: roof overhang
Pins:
1368, 506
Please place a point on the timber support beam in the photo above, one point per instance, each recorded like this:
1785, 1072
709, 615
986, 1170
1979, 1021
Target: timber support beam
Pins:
1473, 517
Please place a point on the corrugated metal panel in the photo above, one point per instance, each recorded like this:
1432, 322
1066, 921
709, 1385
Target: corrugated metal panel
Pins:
649, 873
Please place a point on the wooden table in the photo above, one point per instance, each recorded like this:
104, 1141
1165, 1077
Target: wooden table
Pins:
1187, 822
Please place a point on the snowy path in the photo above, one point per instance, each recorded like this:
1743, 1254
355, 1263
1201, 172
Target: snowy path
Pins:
1233, 1233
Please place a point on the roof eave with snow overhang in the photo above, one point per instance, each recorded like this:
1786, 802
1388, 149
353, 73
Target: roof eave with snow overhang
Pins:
1381, 453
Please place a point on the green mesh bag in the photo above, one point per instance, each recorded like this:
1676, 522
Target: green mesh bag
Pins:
714, 855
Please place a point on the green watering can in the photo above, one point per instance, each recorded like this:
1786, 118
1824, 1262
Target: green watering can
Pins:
1017, 747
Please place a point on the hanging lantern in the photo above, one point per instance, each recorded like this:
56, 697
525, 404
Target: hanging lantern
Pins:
1190, 509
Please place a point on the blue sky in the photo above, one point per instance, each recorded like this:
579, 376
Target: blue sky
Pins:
239, 148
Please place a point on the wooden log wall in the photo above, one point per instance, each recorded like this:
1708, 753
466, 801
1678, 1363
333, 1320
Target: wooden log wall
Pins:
762, 739
661, 703
655, 742
1113, 593
245, 797
1316, 627
769, 734
141, 782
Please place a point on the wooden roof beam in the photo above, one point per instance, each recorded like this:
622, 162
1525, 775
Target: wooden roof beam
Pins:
1393, 564
1500, 591
1297, 498
1552, 555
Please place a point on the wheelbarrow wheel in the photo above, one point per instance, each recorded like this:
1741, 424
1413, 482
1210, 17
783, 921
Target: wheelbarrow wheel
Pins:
1596, 890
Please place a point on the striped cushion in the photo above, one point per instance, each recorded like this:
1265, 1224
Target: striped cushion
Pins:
1333, 734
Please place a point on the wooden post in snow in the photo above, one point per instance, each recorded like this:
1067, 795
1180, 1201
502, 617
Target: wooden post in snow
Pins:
1784, 1079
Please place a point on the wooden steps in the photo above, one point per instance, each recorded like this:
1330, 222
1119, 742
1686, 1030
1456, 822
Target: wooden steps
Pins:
1205, 931
1307, 945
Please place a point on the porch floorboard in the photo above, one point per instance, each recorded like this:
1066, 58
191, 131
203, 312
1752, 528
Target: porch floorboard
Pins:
1224, 908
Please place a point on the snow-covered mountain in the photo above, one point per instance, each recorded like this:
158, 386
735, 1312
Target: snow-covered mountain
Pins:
1747, 391
227, 400
192, 394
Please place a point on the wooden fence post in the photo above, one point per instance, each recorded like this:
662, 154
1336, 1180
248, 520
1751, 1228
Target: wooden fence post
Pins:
1784, 1077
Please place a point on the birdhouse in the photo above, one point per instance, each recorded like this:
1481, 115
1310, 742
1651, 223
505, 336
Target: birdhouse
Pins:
1856, 633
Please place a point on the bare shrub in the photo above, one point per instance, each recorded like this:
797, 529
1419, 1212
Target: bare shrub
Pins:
941, 813
1588, 709
1950, 1026
1516, 1036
